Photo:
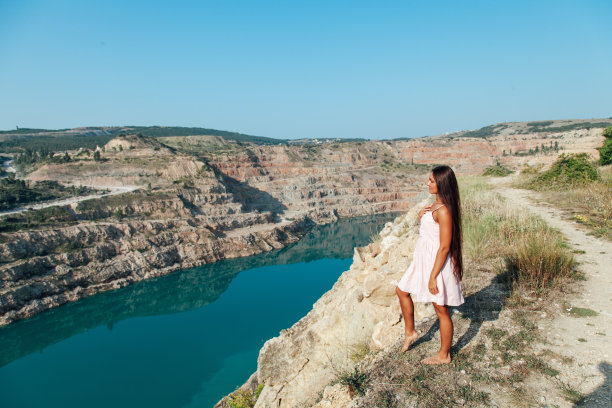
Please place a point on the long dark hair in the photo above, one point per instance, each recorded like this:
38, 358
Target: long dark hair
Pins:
448, 191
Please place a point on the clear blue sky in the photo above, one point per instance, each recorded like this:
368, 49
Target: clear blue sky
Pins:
291, 69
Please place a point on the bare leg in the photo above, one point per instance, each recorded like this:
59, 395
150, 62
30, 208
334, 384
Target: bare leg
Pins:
410, 335
446, 336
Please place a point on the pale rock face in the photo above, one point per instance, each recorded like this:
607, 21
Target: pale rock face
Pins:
361, 307
335, 396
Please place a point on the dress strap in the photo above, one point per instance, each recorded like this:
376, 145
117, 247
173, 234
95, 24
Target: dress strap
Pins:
437, 208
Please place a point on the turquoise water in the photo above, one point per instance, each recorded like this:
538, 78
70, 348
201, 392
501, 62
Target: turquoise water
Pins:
183, 340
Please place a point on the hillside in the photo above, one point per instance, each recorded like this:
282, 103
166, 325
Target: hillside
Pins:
12, 141
201, 198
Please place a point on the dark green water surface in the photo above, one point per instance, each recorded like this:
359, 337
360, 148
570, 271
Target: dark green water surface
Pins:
183, 340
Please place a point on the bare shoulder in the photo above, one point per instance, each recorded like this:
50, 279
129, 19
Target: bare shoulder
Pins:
442, 214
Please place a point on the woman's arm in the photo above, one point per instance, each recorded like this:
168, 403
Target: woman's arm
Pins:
445, 222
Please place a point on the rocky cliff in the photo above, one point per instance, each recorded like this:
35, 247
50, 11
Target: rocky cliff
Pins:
361, 308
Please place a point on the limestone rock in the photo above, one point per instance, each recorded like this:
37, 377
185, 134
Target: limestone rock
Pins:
336, 396
361, 307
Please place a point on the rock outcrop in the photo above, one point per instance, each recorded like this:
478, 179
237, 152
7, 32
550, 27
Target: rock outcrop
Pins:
361, 308
112, 256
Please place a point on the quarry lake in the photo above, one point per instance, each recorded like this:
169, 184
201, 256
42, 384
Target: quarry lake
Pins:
183, 340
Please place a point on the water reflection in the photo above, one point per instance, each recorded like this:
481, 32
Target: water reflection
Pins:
178, 292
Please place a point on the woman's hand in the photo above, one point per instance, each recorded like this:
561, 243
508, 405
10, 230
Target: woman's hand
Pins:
424, 210
433, 286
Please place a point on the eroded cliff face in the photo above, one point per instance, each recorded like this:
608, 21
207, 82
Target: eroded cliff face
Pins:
113, 256
187, 218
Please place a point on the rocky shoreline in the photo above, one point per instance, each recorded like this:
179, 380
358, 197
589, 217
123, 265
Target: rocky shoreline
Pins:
115, 256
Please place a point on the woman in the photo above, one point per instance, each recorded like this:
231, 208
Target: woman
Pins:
436, 269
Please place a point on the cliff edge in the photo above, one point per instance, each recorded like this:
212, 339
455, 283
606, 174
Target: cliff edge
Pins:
360, 308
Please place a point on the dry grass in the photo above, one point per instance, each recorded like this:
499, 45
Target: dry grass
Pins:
540, 260
535, 256
588, 204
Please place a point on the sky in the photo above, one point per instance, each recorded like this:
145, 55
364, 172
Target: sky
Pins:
296, 69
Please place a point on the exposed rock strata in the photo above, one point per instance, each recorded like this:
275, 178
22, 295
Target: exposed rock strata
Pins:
118, 257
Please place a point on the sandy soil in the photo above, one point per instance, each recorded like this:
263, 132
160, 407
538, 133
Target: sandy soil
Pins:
585, 339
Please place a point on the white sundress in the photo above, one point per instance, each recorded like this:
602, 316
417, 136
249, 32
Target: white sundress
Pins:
416, 277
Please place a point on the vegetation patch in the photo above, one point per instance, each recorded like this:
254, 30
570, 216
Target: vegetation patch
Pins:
487, 131
582, 312
584, 196
359, 351
121, 200
567, 171
356, 380
537, 127
15, 192
605, 151
244, 398
571, 394
50, 216
497, 171
541, 260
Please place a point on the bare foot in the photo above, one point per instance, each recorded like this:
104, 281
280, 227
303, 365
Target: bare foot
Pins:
409, 340
436, 360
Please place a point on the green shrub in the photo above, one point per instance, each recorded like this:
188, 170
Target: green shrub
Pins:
497, 171
607, 132
605, 152
356, 381
568, 170
245, 398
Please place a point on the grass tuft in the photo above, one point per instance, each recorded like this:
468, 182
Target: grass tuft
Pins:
541, 260
571, 394
357, 381
582, 312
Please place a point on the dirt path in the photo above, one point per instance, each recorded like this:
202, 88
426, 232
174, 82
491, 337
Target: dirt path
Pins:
587, 340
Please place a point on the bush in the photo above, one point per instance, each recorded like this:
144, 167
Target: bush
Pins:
605, 152
245, 398
568, 170
356, 381
607, 132
497, 171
